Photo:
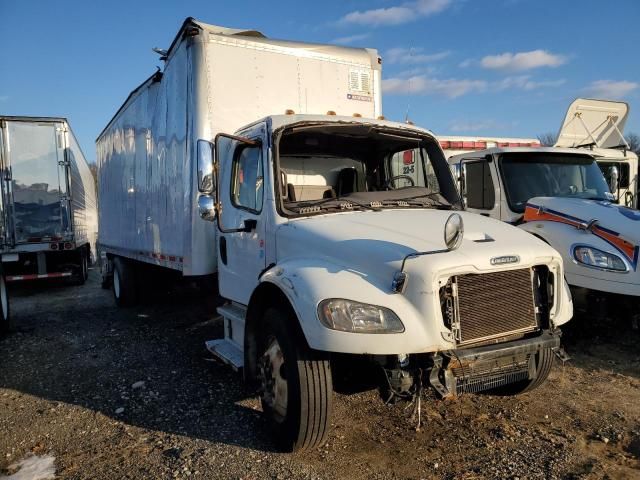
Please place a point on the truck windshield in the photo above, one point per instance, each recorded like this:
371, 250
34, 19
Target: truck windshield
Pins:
359, 166
529, 175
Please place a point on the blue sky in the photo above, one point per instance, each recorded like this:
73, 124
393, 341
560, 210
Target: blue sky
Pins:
479, 67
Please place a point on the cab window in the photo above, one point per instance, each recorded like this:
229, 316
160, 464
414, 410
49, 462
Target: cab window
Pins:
247, 179
479, 185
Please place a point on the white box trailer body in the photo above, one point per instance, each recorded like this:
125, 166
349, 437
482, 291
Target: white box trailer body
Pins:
215, 79
48, 215
598, 126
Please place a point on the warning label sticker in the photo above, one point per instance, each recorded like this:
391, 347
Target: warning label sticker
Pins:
360, 98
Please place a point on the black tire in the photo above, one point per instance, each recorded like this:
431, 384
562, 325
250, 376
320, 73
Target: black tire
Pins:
543, 363
83, 269
309, 387
123, 283
5, 323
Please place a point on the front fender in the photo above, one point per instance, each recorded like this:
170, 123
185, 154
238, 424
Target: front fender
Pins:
564, 238
308, 281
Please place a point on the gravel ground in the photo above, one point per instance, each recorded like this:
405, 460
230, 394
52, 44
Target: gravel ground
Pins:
90, 391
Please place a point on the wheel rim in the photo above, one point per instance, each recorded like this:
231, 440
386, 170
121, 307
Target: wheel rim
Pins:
116, 284
4, 299
274, 384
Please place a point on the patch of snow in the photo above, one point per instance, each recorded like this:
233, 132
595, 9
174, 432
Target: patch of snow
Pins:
33, 468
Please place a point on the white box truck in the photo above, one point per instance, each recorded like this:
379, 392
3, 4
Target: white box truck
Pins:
48, 215
337, 240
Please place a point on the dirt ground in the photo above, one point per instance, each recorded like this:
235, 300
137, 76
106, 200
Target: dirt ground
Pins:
105, 393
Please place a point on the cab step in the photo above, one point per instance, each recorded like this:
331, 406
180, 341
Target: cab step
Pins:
226, 351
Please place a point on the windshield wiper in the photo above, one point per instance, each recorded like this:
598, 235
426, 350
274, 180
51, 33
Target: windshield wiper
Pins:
341, 204
431, 196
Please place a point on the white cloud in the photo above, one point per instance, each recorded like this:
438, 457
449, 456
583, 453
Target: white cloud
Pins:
412, 56
403, 13
522, 60
524, 82
351, 39
611, 88
454, 87
423, 85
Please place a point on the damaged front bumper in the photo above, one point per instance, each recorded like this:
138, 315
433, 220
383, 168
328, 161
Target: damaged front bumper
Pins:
488, 367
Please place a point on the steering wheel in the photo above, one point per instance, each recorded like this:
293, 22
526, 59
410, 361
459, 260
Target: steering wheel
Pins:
392, 181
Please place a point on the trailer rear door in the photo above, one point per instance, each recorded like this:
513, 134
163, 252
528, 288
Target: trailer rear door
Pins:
37, 180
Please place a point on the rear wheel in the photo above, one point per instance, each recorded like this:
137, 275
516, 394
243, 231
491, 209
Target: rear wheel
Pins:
296, 384
4, 305
83, 269
123, 285
543, 361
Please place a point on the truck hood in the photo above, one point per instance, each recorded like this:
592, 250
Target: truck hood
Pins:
375, 243
618, 225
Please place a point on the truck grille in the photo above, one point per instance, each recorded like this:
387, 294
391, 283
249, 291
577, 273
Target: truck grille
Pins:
495, 305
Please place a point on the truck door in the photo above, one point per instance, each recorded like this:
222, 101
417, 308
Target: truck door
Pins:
241, 220
36, 180
478, 187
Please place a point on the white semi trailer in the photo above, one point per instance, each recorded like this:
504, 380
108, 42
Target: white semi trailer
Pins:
48, 215
337, 240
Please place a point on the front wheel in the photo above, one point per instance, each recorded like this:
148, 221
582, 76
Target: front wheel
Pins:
296, 384
4, 305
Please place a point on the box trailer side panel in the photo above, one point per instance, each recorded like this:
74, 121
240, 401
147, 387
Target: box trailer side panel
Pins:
142, 162
212, 82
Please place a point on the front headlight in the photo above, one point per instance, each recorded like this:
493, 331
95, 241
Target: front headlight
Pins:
592, 257
350, 316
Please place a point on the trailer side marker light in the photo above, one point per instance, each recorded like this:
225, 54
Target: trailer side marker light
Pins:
53, 246
331, 112
381, 117
288, 111
68, 246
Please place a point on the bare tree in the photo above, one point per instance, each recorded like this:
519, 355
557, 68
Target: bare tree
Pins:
547, 139
634, 142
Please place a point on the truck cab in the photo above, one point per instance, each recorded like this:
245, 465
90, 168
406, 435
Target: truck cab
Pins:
560, 196
344, 238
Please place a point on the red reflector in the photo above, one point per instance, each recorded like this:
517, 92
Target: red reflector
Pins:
468, 144
445, 144
456, 145
68, 246
407, 157
53, 246
480, 145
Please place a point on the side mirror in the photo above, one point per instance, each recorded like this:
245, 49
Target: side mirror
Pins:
614, 177
205, 166
207, 208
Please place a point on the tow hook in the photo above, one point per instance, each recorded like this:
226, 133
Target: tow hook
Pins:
561, 354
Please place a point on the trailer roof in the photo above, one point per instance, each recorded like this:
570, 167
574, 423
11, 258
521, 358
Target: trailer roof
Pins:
21, 118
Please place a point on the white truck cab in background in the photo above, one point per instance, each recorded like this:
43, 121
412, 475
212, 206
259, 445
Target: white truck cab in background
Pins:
328, 253
561, 196
597, 126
